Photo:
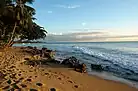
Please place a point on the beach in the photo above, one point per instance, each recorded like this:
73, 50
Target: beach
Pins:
15, 74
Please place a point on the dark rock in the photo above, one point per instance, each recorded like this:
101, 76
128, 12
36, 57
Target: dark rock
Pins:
71, 61
81, 68
52, 89
30, 47
53, 61
97, 67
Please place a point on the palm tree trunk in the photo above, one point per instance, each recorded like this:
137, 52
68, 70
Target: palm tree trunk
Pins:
10, 42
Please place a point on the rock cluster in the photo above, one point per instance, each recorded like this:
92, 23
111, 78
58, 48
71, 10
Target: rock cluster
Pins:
37, 53
75, 63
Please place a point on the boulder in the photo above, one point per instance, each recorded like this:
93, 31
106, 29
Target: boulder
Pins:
97, 67
71, 61
81, 68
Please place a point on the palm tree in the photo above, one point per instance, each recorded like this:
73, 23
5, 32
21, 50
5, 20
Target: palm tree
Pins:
23, 18
16, 21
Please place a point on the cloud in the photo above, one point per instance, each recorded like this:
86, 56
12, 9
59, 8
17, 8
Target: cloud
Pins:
68, 6
90, 36
83, 24
49, 12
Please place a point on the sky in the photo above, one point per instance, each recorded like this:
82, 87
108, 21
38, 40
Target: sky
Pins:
115, 17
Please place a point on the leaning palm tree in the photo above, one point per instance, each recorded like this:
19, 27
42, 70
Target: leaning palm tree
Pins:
23, 18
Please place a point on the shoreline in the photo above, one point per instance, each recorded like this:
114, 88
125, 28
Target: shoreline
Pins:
65, 79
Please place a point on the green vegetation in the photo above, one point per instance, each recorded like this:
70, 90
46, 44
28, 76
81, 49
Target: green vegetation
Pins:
17, 22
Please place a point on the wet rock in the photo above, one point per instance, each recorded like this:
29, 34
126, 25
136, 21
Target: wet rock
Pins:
71, 61
97, 67
47, 53
30, 47
53, 61
81, 68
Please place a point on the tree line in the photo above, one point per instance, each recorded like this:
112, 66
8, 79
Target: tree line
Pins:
17, 22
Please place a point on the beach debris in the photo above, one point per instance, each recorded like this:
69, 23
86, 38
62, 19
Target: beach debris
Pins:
97, 67
39, 84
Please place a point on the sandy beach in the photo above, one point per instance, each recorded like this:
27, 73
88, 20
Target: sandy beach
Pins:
50, 77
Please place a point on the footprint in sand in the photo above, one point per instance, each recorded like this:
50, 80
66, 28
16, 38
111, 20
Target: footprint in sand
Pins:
39, 84
76, 86
23, 85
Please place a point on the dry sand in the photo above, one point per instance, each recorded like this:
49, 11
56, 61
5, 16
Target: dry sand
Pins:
44, 78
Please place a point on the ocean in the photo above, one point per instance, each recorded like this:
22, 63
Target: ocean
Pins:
120, 57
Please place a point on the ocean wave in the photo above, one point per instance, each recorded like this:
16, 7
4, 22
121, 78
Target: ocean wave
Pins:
124, 61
